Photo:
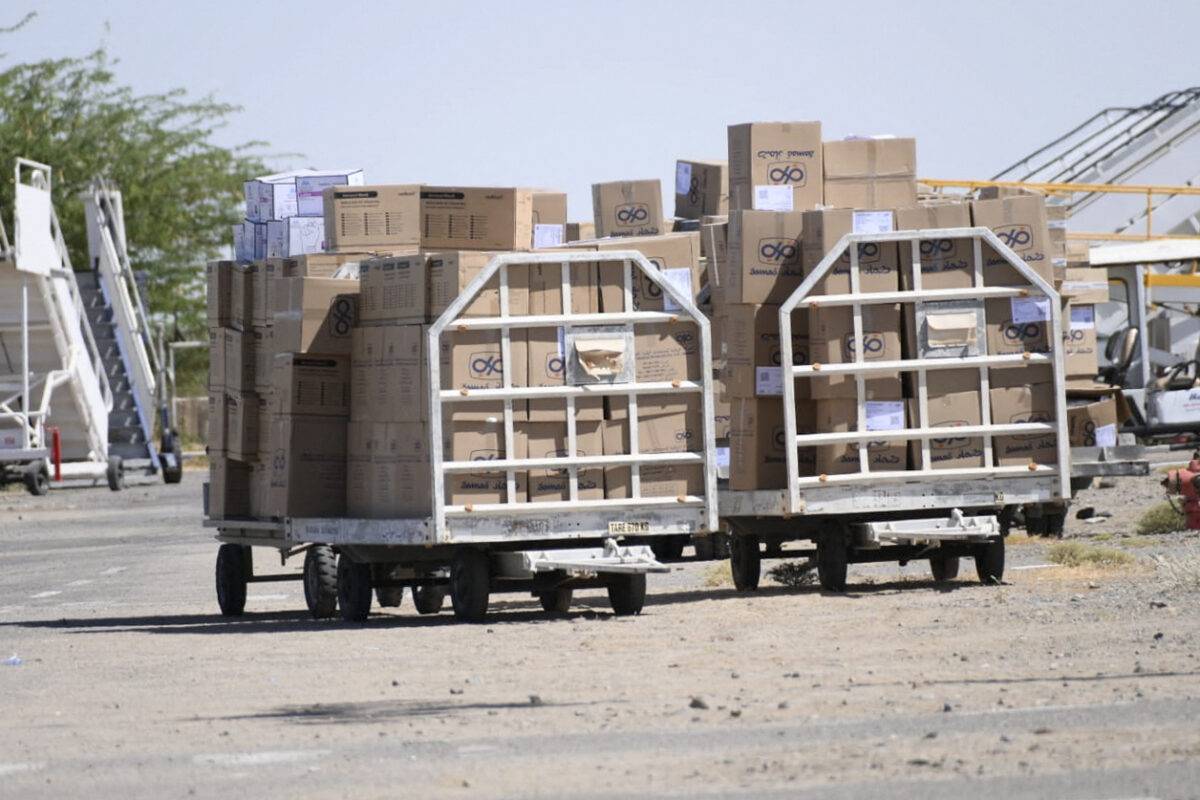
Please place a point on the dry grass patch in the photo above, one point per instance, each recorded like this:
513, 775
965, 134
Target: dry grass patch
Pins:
1018, 539
717, 575
1162, 518
794, 574
1077, 554
1182, 571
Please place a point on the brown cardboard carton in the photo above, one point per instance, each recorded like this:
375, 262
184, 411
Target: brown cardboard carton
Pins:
1084, 286
241, 441
365, 357
314, 315
675, 432
400, 391
580, 231
260, 490
549, 440
1020, 223
757, 444
1093, 424
878, 263
1020, 404
764, 257
241, 300
239, 361
473, 218
549, 218
218, 421
216, 358
266, 417
1080, 357
628, 208
220, 293
701, 188
752, 352
953, 401
945, 263
358, 469
1018, 325
667, 352
545, 288
722, 410
676, 255
767, 158
547, 367
451, 272
228, 487
481, 441
395, 289
308, 466
400, 472
714, 246
312, 384
871, 173
368, 217
473, 360
831, 341
838, 416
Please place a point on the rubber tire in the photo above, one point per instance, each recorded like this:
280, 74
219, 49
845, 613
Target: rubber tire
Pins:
389, 596
171, 476
944, 568
470, 584
627, 594
37, 479
429, 599
556, 601
832, 562
353, 590
745, 561
989, 561
705, 547
321, 581
668, 548
115, 473
234, 567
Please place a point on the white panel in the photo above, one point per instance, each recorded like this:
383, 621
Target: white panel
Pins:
35, 247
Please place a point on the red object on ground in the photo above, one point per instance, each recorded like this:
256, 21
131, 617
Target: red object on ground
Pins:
1185, 482
56, 452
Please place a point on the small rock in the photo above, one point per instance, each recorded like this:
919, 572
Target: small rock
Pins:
536, 700
918, 762
1005, 738
456, 691
735, 712
1085, 513
1158, 636
947, 708
931, 735
783, 704
395, 683
1041, 731
1093, 585
466, 784
698, 702
734, 675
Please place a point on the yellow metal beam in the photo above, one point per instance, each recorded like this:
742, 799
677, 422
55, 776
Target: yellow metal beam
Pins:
1065, 188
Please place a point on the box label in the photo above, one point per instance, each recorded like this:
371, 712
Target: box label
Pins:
768, 381
872, 222
548, 235
723, 457
1083, 317
773, 198
885, 415
1106, 435
683, 177
681, 279
1030, 309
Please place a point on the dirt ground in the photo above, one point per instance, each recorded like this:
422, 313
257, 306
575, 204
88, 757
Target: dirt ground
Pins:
1064, 682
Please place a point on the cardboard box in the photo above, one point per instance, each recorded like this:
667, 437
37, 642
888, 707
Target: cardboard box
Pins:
395, 289
831, 341
547, 367
953, 401
242, 437
1018, 325
312, 384
481, 441
768, 158
451, 272
757, 444
878, 263
752, 352
676, 255
667, 351
220, 293
358, 469
1080, 349
295, 236
473, 360
399, 472
549, 440
545, 288
308, 466
271, 196
218, 421
368, 217
266, 417
1020, 404
871, 173
317, 265
241, 295
628, 208
314, 315
580, 230
549, 219
399, 389
722, 410
463, 218
260, 490
1020, 223
311, 186
945, 263
1093, 424
365, 356
701, 188
239, 361
674, 432
764, 257
837, 416
262, 346
216, 358
1083, 286
228, 487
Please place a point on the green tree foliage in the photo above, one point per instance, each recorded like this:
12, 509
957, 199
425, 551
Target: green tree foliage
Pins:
181, 191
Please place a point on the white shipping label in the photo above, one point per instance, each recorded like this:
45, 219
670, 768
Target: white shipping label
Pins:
773, 198
681, 279
885, 415
722, 457
872, 222
548, 235
768, 381
1083, 317
1106, 435
683, 177
1030, 309
562, 347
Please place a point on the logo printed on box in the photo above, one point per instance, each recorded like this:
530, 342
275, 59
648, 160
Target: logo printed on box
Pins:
631, 213
341, 316
950, 442
936, 247
1035, 416
790, 173
485, 365
1027, 332
778, 251
1016, 237
873, 346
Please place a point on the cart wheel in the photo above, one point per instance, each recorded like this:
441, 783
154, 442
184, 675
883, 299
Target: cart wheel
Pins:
705, 549
174, 474
989, 561
470, 583
429, 599
627, 594
353, 589
832, 560
115, 473
668, 548
37, 479
234, 567
321, 581
556, 601
389, 596
943, 567
745, 561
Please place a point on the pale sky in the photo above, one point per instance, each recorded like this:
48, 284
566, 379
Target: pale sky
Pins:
561, 95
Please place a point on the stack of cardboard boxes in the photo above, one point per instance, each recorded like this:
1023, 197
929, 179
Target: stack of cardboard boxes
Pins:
285, 213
